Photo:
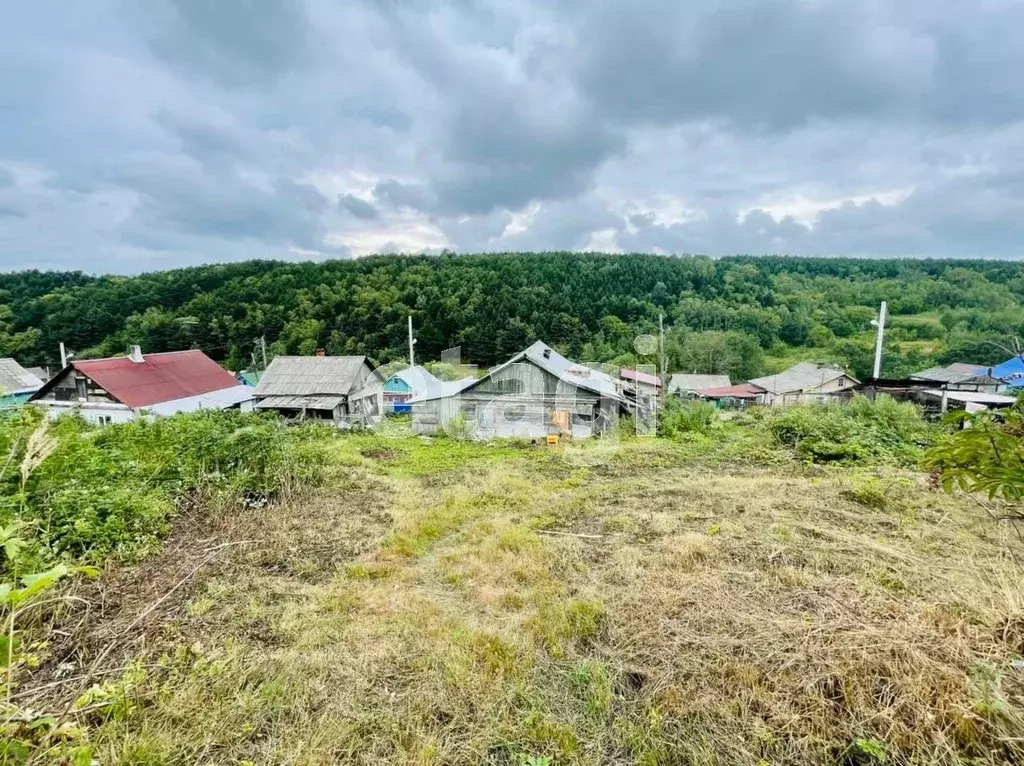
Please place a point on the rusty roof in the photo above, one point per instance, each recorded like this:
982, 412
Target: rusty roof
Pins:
158, 377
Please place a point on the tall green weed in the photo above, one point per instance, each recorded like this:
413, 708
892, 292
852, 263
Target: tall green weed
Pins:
114, 490
880, 431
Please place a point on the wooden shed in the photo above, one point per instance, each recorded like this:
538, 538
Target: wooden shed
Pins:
342, 389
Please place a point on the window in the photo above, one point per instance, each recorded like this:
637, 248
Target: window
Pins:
842, 382
104, 420
513, 413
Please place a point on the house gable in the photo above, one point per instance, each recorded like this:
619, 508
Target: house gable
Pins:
73, 385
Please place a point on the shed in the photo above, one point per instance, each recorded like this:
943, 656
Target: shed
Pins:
337, 388
535, 393
116, 389
972, 401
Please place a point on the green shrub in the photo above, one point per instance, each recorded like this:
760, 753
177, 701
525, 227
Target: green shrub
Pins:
882, 431
681, 418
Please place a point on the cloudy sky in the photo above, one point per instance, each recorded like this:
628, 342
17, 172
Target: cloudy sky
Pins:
136, 136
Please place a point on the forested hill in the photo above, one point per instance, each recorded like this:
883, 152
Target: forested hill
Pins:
741, 315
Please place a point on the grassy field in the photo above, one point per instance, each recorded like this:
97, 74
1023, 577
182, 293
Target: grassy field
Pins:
649, 602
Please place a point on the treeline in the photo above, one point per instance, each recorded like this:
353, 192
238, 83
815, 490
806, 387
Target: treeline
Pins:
740, 315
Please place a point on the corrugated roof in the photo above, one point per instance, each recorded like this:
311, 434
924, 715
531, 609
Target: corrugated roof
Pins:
976, 397
640, 377
15, 379
311, 402
958, 372
443, 389
310, 375
741, 391
685, 382
799, 377
221, 399
158, 377
551, 361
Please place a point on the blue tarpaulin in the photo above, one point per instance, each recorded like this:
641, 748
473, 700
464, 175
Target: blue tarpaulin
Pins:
1012, 371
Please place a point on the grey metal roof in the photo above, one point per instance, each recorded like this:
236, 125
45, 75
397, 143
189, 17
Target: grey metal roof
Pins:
16, 379
799, 377
311, 402
549, 360
958, 372
443, 389
686, 382
310, 376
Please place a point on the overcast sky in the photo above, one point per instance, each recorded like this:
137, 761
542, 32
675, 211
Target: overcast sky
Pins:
137, 136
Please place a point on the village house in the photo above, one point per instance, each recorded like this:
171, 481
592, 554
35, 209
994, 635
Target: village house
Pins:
342, 389
117, 389
404, 385
536, 393
684, 384
16, 384
804, 383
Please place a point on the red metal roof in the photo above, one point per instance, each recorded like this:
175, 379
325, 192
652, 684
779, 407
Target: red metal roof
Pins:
741, 391
158, 378
640, 377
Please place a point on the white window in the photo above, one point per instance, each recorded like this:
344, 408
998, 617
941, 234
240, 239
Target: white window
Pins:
104, 420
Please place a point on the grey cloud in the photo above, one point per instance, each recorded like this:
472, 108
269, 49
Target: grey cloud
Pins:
361, 209
180, 201
204, 142
237, 42
241, 128
776, 64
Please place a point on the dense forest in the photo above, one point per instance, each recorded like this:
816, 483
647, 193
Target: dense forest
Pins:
741, 315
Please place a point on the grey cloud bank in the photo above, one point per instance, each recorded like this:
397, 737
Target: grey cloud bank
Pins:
175, 132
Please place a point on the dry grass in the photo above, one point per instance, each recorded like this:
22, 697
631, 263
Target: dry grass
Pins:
648, 610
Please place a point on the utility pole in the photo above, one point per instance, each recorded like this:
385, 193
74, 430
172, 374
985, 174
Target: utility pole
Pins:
412, 342
63, 356
261, 346
661, 333
878, 342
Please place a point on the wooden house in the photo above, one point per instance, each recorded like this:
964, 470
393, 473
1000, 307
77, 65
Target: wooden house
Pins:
536, 393
805, 383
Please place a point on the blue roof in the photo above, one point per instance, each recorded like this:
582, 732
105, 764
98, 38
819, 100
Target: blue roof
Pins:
1012, 371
